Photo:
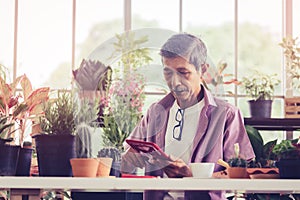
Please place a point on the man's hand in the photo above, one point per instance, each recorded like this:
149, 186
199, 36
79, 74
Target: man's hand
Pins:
131, 159
174, 168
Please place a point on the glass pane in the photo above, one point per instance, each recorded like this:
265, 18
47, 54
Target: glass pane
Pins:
258, 38
45, 42
213, 21
258, 49
96, 22
296, 34
158, 27
7, 35
272, 135
155, 14
153, 73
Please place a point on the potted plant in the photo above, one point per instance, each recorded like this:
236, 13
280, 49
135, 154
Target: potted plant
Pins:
237, 164
260, 88
8, 164
85, 164
20, 107
87, 128
114, 153
55, 145
288, 156
263, 166
125, 97
92, 79
26, 114
264, 157
291, 52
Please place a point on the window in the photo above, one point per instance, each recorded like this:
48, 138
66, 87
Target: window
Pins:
7, 35
258, 49
44, 50
236, 31
215, 26
296, 18
96, 22
155, 14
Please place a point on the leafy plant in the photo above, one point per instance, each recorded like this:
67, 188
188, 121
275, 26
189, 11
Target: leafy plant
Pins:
59, 115
292, 59
5, 127
260, 86
218, 78
125, 97
264, 156
21, 107
123, 111
132, 54
92, 75
287, 149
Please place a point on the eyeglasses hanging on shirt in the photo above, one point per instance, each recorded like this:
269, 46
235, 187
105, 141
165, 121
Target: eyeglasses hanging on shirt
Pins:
177, 130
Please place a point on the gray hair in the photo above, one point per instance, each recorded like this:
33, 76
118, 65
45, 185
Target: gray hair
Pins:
187, 46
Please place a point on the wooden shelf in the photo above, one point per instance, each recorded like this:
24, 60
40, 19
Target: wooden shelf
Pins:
284, 124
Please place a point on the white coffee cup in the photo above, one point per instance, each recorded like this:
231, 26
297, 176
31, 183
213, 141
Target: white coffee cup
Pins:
202, 170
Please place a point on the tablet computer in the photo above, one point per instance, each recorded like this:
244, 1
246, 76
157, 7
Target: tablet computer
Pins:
148, 149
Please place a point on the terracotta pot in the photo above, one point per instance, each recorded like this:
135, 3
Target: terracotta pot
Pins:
84, 167
263, 173
104, 166
237, 172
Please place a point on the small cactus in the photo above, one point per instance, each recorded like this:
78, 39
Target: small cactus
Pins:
237, 161
111, 152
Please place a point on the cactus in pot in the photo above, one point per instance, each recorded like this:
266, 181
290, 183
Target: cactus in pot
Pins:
87, 125
237, 164
111, 152
237, 160
115, 154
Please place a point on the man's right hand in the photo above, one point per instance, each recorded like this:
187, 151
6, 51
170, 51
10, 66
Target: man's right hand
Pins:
131, 159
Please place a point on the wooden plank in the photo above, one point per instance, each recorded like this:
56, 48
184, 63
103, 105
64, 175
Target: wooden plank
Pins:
33, 194
292, 107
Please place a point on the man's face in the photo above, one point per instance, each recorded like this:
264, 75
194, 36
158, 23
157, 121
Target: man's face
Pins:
183, 80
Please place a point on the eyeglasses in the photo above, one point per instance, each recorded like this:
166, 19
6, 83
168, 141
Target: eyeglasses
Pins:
177, 130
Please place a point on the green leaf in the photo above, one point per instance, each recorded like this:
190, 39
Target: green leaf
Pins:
256, 141
268, 147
